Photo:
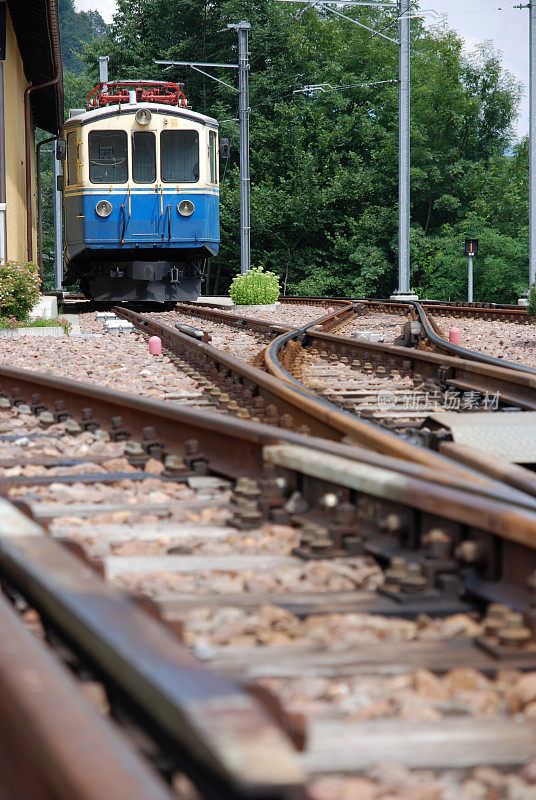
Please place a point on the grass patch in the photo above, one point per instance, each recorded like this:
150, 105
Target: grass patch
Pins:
10, 323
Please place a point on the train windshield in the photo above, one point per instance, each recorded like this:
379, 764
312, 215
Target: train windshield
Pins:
143, 157
108, 157
179, 156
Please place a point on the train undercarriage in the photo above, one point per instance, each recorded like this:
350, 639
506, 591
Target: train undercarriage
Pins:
137, 277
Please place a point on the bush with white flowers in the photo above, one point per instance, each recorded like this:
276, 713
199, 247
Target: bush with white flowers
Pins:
255, 288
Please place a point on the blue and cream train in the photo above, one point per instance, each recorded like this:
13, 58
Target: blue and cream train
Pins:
141, 194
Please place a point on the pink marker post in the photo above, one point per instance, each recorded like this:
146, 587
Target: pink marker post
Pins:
155, 346
455, 336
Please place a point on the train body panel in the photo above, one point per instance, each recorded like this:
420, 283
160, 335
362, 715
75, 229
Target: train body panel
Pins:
141, 200
140, 219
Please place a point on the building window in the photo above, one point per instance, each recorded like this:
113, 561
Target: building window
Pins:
108, 157
143, 157
212, 157
72, 158
179, 156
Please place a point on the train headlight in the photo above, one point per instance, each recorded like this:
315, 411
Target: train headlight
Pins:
103, 208
186, 208
143, 116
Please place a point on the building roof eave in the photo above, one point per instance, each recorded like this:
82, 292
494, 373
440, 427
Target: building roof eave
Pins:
40, 49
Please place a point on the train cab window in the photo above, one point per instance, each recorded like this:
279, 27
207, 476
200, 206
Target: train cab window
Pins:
143, 157
108, 157
212, 157
179, 156
72, 159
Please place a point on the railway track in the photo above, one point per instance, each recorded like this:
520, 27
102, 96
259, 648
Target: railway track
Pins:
390, 398
492, 311
433, 336
190, 566
120, 484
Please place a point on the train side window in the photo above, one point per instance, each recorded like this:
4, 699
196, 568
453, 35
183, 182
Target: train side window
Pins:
212, 156
179, 156
143, 157
72, 159
108, 157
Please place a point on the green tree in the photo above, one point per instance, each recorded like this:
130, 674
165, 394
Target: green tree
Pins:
77, 29
324, 167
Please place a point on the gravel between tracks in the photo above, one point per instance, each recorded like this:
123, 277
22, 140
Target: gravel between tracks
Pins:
418, 695
505, 340
116, 362
242, 344
389, 326
395, 782
320, 576
274, 625
285, 314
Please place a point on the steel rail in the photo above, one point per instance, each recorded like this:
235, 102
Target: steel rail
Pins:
321, 416
459, 373
220, 437
517, 386
492, 310
422, 312
464, 352
269, 387
53, 744
206, 725
423, 308
437, 341
475, 506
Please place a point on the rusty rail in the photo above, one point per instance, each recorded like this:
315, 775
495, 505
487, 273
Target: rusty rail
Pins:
319, 415
515, 386
53, 745
485, 518
424, 310
204, 725
494, 311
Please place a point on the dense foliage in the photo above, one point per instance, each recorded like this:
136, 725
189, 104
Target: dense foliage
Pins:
19, 289
78, 28
255, 287
324, 165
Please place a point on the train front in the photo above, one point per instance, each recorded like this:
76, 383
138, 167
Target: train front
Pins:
141, 194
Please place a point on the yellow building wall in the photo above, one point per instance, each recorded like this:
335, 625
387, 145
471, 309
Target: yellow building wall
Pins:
14, 85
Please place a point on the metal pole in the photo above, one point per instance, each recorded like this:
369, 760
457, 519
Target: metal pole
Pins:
403, 147
3, 205
470, 279
103, 69
243, 116
58, 227
40, 144
532, 144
